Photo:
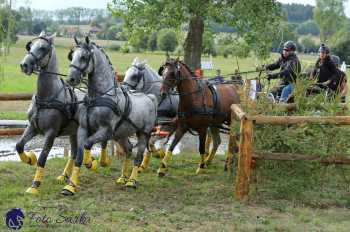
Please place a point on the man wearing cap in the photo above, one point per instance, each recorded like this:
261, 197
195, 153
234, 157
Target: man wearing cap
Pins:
290, 68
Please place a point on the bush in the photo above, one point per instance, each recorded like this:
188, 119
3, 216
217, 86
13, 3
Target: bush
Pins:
114, 47
125, 48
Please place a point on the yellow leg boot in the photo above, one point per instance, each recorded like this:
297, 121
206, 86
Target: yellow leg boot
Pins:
202, 166
132, 182
28, 158
208, 141
125, 173
89, 162
160, 153
38, 178
69, 189
164, 164
145, 162
67, 172
210, 157
104, 159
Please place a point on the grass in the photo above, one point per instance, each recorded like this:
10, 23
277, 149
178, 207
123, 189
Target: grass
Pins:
181, 201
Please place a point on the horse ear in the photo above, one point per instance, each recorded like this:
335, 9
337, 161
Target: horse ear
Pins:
51, 38
42, 34
29, 45
76, 40
160, 71
87, 40
70, 55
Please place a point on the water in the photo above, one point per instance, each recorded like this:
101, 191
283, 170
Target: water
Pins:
189, 143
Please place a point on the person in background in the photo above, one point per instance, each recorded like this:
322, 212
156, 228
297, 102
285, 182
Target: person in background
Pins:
325, 69
290, 69
338, 83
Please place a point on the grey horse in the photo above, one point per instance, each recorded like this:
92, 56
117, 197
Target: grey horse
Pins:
52, 112
108, 112
141, 77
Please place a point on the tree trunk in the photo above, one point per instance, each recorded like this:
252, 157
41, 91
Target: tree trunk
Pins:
193, 43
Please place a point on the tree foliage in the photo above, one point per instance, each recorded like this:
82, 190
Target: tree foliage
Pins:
297, 13
330, 16
255, 21
308, 27
167, 40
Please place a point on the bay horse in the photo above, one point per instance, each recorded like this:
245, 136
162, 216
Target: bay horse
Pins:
202, 105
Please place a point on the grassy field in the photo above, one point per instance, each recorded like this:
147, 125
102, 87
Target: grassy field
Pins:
182, 201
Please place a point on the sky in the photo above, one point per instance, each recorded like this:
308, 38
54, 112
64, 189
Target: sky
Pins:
57, 4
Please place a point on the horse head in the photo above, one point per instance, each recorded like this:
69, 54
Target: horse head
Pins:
82, 61
39, 52
134, 76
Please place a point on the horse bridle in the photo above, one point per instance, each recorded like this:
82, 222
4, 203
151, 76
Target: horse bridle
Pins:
36, 58
90, 59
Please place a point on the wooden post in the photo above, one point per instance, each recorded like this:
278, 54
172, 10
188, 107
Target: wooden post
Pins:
65, 152
244, 160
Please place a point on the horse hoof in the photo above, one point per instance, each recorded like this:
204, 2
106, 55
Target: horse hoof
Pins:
105, 162
161, 172
68, 190
121, 180
32, 158
62, 179
131, 184
33, 191
200, 171
93, 165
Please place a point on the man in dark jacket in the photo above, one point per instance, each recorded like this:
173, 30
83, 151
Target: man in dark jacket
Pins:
290, 69
338, 83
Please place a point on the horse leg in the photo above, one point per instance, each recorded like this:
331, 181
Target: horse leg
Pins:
99, 136
215, 133
208, 141
38, 177
127, 150
180, 131
26, 157
67, 171
148, 154
141, 146
202, 164
104, 159
73, 181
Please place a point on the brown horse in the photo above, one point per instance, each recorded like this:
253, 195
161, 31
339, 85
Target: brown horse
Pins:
201, 105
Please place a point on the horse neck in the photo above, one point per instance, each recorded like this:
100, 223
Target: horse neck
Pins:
103, 77
188, 87
152, 85
49, 84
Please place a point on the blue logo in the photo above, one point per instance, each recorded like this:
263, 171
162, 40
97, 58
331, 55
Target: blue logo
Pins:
14, 219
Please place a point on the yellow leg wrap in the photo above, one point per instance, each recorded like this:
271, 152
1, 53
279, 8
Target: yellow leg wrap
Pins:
87, 157
164, 163
104, 159
132, 182
160, 153
145, 161
208, 141
38, 178
89, 161
210, 157
28, 158
67, 171
73, 182
125, 172
202, 166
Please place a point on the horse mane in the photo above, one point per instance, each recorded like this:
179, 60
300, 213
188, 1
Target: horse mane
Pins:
173, 62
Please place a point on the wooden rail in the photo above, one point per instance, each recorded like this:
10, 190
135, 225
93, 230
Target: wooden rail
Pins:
16, 97
246, 153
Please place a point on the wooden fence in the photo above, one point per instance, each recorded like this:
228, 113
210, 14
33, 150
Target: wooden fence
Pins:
245, 148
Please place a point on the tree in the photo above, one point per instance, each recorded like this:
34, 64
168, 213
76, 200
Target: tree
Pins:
308, 27
167, 40
255, 21
287, 32
209, 43
308, 44
329, 15
152, 42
